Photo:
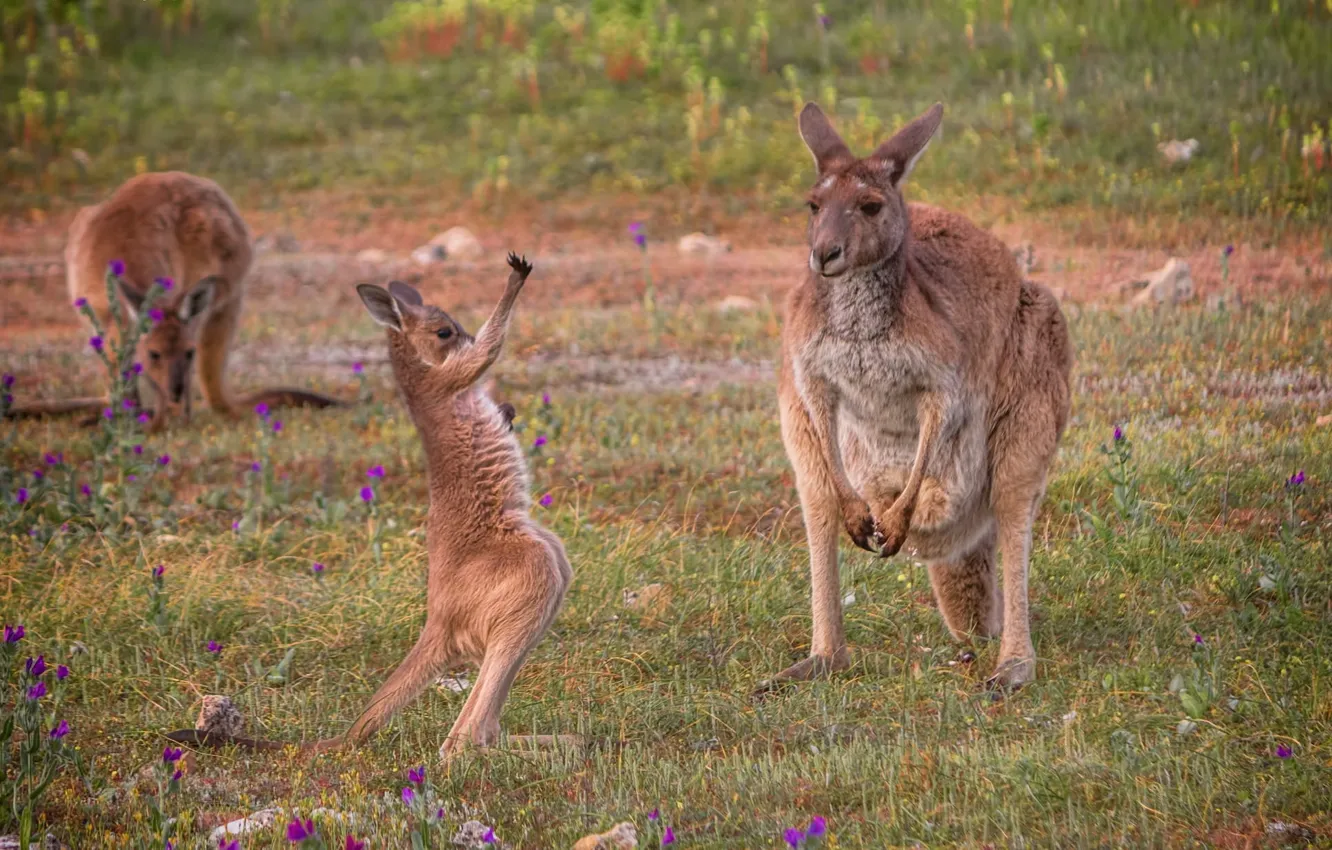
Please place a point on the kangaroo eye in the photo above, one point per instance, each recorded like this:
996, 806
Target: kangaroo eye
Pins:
813, 207
871, 209
154, 356
444, 333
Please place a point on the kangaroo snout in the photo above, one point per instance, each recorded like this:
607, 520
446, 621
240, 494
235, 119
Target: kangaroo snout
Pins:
827, 260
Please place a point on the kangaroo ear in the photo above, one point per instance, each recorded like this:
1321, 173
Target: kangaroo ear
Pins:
822, 140
382, 306
197, 300
132, 298
901, 153
405, 293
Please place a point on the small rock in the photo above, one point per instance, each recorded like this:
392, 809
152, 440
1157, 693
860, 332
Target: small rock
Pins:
1070, 718
473, 834
372, 255
428, 255
49, 842
650, 600
1175, 151
1025, 254
460, 243
219, 716
1324, 420
1289, 833
262, 819
80, 156
1171, 284
281, 242
701, 243
737, 304
356, 63
622, 836
453, 684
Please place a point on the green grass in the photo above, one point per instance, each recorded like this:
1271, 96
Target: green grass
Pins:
1062, 106
692, 489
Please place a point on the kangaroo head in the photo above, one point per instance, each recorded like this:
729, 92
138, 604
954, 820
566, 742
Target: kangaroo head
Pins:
428, 331
857, 216
166, 349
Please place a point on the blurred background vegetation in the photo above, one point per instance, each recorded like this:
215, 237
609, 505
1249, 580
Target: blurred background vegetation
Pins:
1054, 102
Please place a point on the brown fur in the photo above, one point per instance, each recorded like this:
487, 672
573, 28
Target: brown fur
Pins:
178, 226
923, 391
496, 577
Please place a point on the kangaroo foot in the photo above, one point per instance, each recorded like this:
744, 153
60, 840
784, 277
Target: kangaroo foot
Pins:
1012, 673
813, 667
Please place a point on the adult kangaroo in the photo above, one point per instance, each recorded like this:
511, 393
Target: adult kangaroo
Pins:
923, 391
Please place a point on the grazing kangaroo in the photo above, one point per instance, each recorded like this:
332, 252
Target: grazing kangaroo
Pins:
496, 578
178, 226
923, 391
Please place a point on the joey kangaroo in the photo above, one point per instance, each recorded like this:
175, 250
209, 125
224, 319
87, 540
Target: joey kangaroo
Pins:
496, 578
923, 391
181, 227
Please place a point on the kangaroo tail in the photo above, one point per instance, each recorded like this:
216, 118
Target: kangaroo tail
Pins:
57, 407
217, 741
289, 397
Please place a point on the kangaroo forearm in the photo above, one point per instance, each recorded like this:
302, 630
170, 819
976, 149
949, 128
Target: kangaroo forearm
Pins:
467, 367
930, 416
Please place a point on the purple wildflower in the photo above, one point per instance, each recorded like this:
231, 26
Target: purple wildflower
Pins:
545, 399
317, 568
21, 495
262, 409
539, 441
417, 775
408, 795
668, 837
214, 647
298, 831
35, 666
367, 494
144, 418
1228, 250
825, 22
172, 755
116, 267
1198, 640
175, 777
1295, 480
55, 459
85, 489
138, 450
128, 404
818, 827
7, 380
640, 239
61, 730
165, 282
37, 691
80, 303
13, 634
654, 815
96, 342
136, 368
131, 477
1119, 434
62, 673
546, 500
255, 466
1283, 752
357, 368
108, 413
489, 837
164, 460
156, 314
793, 836
376, 471
37, 475
277, 425
235, 525
353, 844
223, 844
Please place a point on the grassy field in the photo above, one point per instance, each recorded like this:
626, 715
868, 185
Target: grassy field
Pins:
1182, 597
1137, 733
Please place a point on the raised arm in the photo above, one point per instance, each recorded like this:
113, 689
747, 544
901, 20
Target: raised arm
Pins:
467, 366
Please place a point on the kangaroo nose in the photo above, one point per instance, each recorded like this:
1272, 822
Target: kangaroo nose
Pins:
830, 256
820, 259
